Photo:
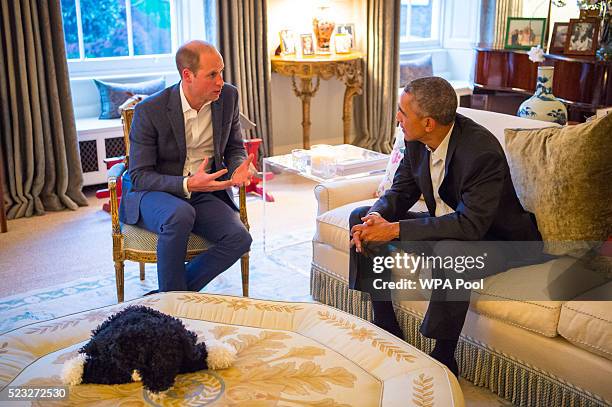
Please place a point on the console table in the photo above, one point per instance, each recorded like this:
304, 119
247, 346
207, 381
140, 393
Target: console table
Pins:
346, 67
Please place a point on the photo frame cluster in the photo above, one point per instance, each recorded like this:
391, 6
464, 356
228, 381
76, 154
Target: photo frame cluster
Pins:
305, 44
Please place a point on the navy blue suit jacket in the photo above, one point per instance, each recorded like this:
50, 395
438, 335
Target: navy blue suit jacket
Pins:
158, 149
477, 186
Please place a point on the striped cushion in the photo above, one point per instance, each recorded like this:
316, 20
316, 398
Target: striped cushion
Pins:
139, 239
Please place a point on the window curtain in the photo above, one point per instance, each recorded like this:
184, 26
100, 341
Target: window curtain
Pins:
503, 10
375, 110
242, 28
38, 139
487, 23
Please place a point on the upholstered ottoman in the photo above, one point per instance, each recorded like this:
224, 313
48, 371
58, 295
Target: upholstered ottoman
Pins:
289, 354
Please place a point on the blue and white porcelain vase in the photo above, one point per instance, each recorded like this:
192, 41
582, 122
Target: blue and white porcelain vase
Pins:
543, 105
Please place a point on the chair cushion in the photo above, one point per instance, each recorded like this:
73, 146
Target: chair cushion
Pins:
141, 240
588, 324
288, 354
333, 226
562, 175
112, 95
531, 297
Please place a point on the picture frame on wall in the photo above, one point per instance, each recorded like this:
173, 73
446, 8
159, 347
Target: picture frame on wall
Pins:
558, 37
524, 33
349, 29
582, 37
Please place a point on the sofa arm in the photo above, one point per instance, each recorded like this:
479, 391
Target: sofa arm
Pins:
334, 194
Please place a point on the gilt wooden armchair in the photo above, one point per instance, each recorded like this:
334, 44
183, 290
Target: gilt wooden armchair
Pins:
136, 244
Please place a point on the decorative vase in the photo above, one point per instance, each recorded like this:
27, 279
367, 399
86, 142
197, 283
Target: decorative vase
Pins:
543, 105
323, 28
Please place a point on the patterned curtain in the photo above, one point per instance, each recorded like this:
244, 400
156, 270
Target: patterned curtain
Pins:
375, 110
38, 138
242, 29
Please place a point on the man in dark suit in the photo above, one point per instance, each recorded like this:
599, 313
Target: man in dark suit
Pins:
186, 152
460, 169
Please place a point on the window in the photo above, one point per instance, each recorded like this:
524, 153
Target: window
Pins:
420, 23
130, 37
116, 28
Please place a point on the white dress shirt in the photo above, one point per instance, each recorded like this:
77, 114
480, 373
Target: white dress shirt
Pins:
198, 137
437, 163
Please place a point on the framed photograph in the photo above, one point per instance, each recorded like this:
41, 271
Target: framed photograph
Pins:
342, 43
287, 40
582, 37
558, 37
524, 33
347, 29
307, 44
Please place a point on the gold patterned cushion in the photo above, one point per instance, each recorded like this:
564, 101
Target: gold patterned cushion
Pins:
138, 239
288, 354
562, 175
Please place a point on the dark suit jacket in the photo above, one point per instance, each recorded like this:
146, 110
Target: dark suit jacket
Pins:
477, 185
158, 149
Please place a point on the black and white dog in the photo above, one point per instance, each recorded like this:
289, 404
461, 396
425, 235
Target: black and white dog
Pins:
140, 343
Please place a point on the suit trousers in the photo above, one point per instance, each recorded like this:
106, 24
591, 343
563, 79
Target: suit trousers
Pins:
447, 309
207, 214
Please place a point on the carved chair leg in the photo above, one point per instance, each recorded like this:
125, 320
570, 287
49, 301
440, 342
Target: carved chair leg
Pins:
119, 279
244, 268
142, 271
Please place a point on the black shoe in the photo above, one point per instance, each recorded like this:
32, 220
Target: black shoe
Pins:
151, 292
451, 363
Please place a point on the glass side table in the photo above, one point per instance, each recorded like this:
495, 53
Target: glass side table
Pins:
321, 164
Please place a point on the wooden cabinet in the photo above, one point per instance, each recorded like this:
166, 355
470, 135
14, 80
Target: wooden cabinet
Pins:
581, 82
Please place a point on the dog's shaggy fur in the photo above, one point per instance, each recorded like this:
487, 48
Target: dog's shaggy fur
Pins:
140, 342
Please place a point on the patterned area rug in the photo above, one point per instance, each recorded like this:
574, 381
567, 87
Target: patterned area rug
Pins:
280, 274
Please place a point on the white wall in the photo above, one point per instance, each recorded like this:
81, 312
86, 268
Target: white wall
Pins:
453, 61
539, 8
326, 105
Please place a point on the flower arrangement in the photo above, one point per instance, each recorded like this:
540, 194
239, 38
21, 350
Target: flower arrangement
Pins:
536, 54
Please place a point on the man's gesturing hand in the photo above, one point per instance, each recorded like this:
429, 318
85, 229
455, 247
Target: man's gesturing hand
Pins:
204, 182
243, 174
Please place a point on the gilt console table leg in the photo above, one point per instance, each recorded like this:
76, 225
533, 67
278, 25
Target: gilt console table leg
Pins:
305, 94
351, 74
347, 112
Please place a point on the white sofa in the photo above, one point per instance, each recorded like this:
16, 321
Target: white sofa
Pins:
533, 353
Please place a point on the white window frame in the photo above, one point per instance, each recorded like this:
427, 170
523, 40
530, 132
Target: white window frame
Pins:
407, 44
186, 17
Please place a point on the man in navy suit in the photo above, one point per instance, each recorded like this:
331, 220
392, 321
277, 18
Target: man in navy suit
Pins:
186, 152
460, 169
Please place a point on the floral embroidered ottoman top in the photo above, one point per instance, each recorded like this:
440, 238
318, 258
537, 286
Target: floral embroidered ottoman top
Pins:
289, 354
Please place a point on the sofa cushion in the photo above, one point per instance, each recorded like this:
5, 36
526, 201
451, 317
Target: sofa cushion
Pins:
415, 68
112, 95
588, 324
531, 297
333, 226
562, 175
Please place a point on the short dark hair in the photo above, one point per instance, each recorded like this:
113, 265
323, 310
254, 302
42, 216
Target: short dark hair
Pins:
433, 97
188, 55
